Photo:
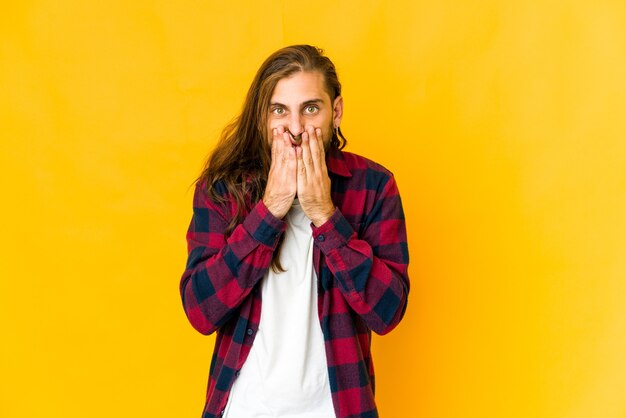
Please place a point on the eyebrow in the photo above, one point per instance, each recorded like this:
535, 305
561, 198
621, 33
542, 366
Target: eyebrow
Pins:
307, 103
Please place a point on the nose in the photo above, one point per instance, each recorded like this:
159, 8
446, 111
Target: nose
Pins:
296, 126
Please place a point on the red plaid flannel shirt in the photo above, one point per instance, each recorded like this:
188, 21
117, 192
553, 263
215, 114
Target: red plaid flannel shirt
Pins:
360, 257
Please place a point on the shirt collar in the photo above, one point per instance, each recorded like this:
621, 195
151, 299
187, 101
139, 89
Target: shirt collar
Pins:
336, 163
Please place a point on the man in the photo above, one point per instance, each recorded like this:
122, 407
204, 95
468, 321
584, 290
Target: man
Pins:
297, 251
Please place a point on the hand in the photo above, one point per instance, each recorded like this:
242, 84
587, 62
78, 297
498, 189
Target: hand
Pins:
281, 180
313, 180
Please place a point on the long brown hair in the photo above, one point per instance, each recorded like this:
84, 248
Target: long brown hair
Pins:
241, 160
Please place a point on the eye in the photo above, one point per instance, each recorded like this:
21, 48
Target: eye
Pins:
278, 111
311, 109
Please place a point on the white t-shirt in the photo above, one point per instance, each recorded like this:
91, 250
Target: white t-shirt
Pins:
285, 374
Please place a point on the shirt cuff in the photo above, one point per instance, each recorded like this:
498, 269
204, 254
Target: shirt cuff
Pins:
333, 233
263, 226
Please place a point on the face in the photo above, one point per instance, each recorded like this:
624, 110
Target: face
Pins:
300, 101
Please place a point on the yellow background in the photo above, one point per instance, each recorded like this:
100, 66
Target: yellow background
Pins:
503, 121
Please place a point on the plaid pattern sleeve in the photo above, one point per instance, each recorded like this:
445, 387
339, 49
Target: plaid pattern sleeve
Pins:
360, 256
221, 272
371, 269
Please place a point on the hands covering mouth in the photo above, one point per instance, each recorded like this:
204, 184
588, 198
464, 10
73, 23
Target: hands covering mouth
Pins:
298, 167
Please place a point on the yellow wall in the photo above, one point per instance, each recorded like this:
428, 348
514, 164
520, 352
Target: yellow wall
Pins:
504, 122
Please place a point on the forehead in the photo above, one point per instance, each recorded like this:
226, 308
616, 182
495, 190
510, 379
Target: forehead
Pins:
300, 87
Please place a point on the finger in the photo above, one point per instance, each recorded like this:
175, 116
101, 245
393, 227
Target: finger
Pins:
315, 150
278, 143
283, 155
274, 144
301, 169
275, 153
287, 148
322, 149
292, 165
307, 157
300, 153
277, 133
299, 157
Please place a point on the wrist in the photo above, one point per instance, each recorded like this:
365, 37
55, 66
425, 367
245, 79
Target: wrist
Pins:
323, 218
272, 208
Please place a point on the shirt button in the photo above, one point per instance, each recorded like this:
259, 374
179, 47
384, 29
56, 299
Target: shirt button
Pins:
249, 331
320, 237
237, 373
